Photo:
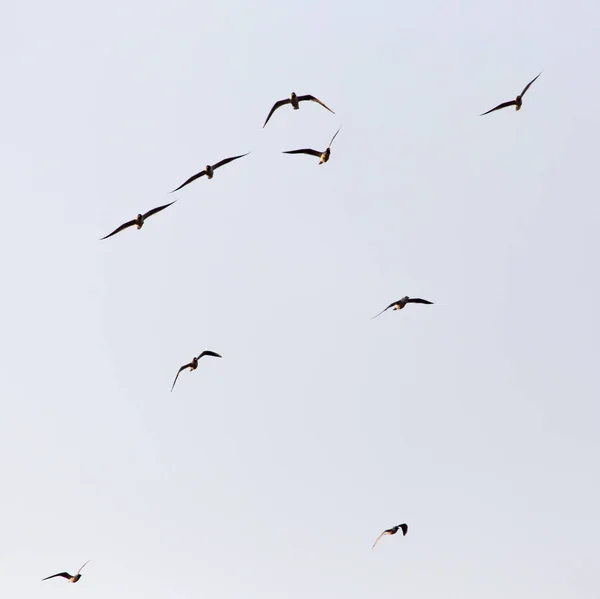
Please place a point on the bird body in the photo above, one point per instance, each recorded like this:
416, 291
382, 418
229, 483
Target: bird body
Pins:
138, 221
517, 102
294, 100
70, 577
398, 305
209, 170
322, 156
392, 531
194, 363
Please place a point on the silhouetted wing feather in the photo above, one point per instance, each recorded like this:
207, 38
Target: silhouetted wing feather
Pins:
404, 528
207, 352
154, 211
275, 107
529, 85
503, 105
192, 178
305, 151
391, 305
329, 146
227, 160
118, 230
80, 569
63, 574
377, 540
417, 300
313, 99
178, 372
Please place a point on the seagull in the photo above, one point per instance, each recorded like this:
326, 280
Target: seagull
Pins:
323, 156
392, 531
401, 303
138, 220
295, 100
67, 575
194, 363
517, 102
209, 170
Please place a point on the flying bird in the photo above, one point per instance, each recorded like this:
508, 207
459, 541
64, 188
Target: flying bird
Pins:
295, 100
194, 363
517, 102
401, 303
138, 220
68, 576
209, 170
323, 156
392, 531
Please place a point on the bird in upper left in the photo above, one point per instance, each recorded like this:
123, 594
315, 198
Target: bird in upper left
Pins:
69, 577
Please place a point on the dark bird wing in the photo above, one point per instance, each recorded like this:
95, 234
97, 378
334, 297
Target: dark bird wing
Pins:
329, 146
313, 99
404, 528
377, 540
227, 160
154, 211
417, 300
529, 84
177, 375
207, 352
276, 106
119, 229
503, 105
192, 178
305, 151
63, 574
392, 304
82, 567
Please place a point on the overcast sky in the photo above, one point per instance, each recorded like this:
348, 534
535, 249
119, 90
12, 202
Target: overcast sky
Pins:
269, 473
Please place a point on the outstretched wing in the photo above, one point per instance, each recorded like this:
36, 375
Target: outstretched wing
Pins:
154, 211
313, 99
80, 569
276, 106
417, 300
305, 151
377, 540
227, 160
404, 528
118, 230
529, 85
329, 146
392, 304
177, 375
63, 574
192, 178
503, 105
207, 352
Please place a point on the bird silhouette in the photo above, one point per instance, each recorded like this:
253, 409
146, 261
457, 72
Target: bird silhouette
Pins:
517, 102
402, 302
69, 577
392, 531
294, 100
194, 364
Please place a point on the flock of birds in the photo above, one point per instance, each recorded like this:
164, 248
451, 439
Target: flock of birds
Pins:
294, 100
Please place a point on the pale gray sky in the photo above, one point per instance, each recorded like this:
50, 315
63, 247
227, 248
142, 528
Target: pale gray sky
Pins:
269, 473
